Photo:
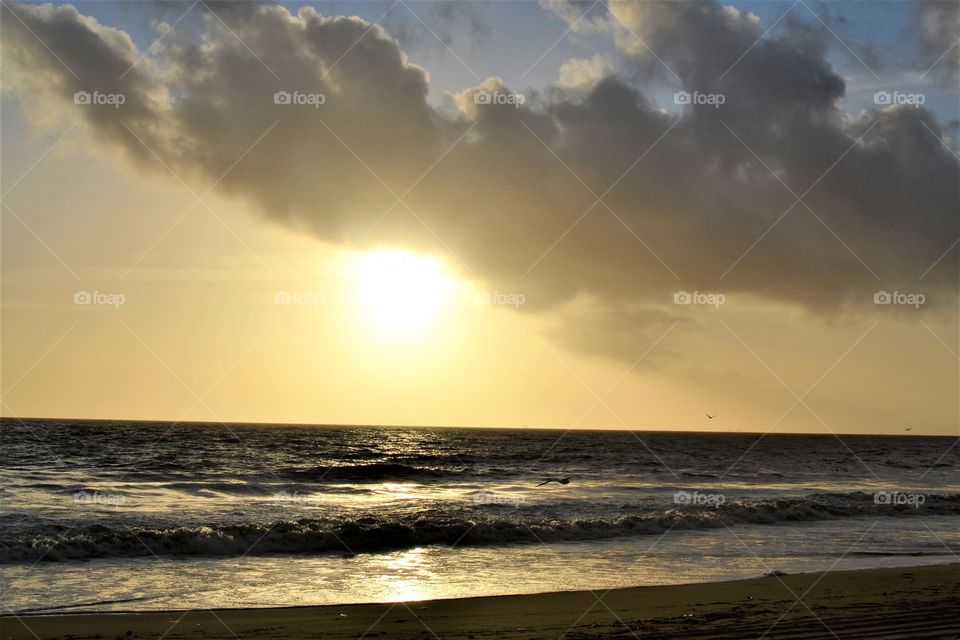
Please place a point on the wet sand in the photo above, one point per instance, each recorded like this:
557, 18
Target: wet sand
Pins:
914, 603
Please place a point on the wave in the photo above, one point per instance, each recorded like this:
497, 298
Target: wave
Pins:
380, 471
464, 528
363, 472
695, 474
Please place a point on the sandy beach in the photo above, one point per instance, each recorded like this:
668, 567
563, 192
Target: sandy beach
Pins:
917, 602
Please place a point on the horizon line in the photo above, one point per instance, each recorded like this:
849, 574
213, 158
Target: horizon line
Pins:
227, 424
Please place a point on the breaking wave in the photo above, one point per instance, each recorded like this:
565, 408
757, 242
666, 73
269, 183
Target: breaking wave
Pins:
467, 528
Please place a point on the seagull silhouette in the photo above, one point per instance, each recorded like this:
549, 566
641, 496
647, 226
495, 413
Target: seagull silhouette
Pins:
710, 417
560, 480
909, 429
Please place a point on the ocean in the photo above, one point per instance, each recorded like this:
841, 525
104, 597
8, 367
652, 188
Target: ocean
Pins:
115, 516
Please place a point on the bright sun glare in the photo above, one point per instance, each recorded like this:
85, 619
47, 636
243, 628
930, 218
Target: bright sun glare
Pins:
400, 292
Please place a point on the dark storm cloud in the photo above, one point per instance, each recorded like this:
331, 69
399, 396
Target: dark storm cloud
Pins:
514, 199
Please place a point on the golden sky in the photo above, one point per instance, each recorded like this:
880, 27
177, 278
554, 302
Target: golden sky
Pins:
570, 247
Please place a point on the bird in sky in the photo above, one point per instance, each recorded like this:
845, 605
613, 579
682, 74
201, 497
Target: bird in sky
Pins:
560, 480
909, 428
710, 417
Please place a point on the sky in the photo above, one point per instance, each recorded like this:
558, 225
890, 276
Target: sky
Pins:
544, 214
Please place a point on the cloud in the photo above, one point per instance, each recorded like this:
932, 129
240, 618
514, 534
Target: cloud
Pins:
584, 73
632, 333
938, 23
588, 190
581, 16
436, 24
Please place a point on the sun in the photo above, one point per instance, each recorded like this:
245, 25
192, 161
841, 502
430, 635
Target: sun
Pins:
399, 292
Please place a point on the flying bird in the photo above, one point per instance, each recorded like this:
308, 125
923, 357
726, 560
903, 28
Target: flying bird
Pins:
560, 480
909, 428
710, 417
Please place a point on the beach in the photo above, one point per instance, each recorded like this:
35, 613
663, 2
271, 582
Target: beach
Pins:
317, 516
914, 602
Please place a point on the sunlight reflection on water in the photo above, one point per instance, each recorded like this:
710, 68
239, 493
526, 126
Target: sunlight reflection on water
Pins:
433, 572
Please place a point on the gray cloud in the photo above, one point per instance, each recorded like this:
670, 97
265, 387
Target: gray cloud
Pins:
938, 23
445, 23
581, 16
684, 196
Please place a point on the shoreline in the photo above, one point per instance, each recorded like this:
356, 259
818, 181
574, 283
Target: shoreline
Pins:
905, 602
